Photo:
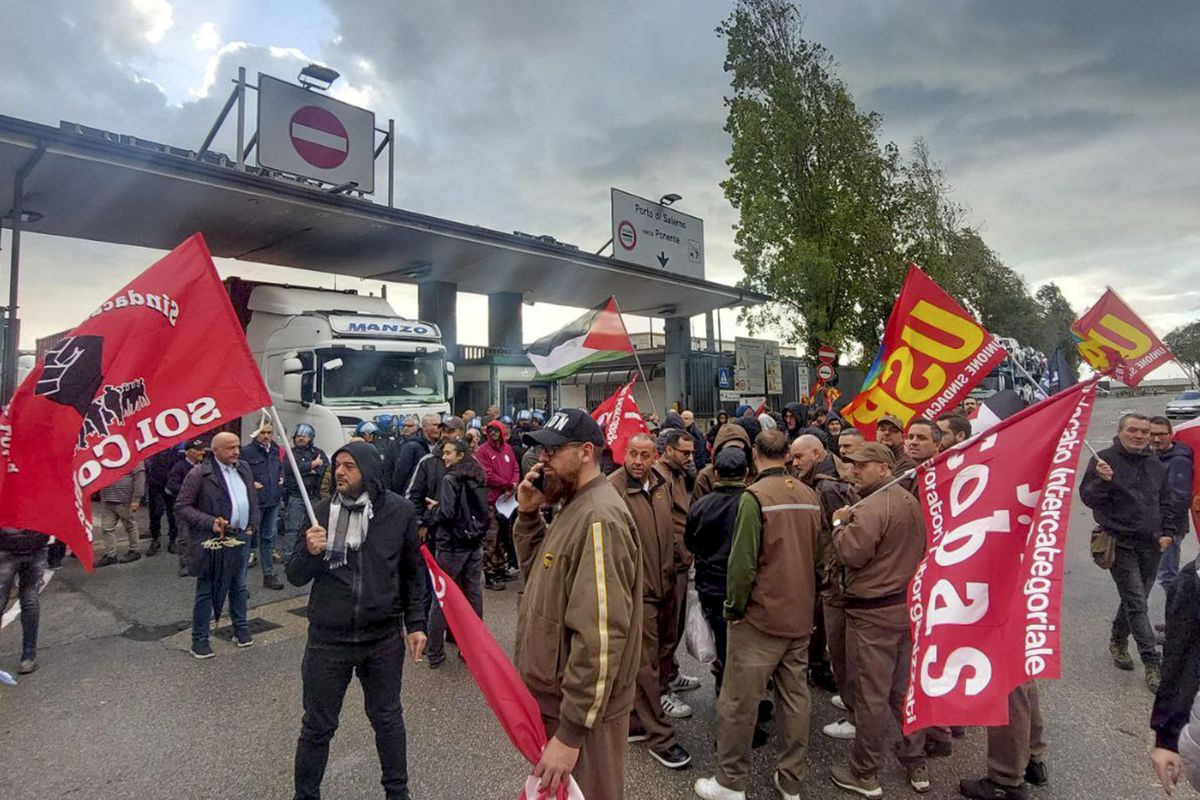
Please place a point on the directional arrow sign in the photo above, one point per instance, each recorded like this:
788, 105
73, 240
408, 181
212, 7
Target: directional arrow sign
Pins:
663, 258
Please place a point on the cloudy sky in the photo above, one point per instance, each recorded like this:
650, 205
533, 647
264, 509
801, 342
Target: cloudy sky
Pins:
1068, 128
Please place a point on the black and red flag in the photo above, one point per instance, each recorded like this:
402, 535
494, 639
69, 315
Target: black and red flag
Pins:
161, 361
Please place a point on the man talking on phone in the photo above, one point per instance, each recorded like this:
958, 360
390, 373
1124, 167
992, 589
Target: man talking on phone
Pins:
579, 626
368, 595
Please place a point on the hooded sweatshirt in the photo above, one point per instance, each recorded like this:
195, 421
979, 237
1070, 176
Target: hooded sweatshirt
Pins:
499, 463
800, 412
380, 591
454, 505
708, 476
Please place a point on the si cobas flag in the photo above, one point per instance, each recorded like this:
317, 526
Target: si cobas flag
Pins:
933, 353
161, 361
597, 336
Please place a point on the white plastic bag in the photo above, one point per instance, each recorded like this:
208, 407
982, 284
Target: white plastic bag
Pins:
698, 636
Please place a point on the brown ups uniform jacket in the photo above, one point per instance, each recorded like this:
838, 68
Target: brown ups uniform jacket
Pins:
579, 626
706, 479
880, 547
681, 501
655, 525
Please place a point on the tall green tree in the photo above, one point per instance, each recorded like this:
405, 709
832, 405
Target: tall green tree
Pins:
1056, 315
1184, 342
810, 181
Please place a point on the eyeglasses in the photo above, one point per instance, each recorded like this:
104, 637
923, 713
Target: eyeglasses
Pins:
552, 450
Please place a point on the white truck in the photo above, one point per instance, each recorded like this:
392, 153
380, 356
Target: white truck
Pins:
335, 359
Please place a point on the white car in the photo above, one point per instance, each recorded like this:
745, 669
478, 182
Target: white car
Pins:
1187, 405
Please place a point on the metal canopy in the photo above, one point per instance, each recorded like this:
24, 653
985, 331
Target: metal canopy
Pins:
88, 186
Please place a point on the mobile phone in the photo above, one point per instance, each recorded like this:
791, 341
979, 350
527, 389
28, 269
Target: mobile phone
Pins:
539, 481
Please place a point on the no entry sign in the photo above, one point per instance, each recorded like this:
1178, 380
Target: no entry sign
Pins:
310, 134
319, 137
826, 354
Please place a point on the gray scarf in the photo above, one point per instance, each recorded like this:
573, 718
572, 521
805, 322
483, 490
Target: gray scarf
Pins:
348, 520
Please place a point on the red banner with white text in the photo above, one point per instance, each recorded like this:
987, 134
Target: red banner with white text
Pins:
1115, 341
984, 603
933, 353
620, 418
161, 361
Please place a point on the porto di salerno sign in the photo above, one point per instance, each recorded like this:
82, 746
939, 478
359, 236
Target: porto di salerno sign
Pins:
656, 236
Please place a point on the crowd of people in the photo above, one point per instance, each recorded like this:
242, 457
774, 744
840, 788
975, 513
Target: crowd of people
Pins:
797, 534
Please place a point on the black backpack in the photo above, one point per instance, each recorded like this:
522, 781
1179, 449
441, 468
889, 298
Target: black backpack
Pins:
473, 520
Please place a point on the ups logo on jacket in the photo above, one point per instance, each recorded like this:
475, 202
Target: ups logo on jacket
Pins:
548, 561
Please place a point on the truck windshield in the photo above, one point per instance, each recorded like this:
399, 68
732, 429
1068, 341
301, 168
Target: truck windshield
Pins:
380, 377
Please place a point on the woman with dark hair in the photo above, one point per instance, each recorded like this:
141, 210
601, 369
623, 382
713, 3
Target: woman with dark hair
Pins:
722, 418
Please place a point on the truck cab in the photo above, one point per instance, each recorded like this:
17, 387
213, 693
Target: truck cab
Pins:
335, 359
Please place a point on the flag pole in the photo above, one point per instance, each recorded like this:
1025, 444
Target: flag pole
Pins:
636, 360
1045, 396
291, 457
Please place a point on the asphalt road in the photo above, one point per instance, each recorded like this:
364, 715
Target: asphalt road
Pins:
118, 709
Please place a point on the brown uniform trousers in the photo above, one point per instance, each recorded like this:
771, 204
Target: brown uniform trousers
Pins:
646, 703
878, 651
1011, 747
753, 658
600, 769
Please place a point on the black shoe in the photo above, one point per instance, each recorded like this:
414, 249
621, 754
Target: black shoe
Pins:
1035, 774
436, 664
674, 757
1161, 627
202, 649
493, 584
171, 548
153, 549
983, 789
272, 582
130, 557
107, 560
761, 737
937, 749
821, 676
243, 639
957, 731
183, 572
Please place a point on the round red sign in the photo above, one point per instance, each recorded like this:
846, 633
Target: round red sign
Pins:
825, 372
627, 235
826, 354
319, 137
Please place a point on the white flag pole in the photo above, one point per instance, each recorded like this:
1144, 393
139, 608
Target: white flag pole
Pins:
291, 457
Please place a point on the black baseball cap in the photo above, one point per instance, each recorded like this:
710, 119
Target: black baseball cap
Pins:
197, 444
567, 425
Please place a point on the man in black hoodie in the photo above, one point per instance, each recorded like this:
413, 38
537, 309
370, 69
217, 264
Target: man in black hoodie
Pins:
363, 557
1127, 488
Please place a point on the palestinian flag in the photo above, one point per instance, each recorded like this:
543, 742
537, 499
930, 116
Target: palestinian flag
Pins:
597, 336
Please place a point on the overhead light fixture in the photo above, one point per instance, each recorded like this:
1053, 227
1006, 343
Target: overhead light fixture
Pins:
668, 199
318, 76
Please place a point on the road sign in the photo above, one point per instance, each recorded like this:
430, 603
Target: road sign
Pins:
307, 133
825, 372
826, 354
730, 396
724, 378
657, 236
750, 372
774, 369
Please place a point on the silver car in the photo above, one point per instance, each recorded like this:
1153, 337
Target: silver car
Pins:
1186, 406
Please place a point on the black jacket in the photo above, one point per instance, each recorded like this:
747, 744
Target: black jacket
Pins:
701, 454
312, 477
159, 466
426, 483
407, 457
179, 471
1179, 461
267, 466
709, 535
202, 498
381, 588
1181, 661
800, 412
448, 531
1135, 506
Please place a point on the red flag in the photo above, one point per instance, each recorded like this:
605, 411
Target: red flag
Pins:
932, 354
159, 362
1189, 433
1115, 341
619, 418
984, 603
509, 697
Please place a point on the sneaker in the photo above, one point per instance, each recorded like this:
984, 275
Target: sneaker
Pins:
276, 556
183, 573
674, 757
939, 748
784, 794
512, 573
844, 778
637, 736
837, 702
983, 789
1035, 774
253, 561
243, 639
272, 582
107, 560
129, 557
684, 683
841, 729
202, 649
672, 706
153, 549
1120, 655
1153, 677
493, 584
172, 548
435, 664
918, 778
709, 789
27, 666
